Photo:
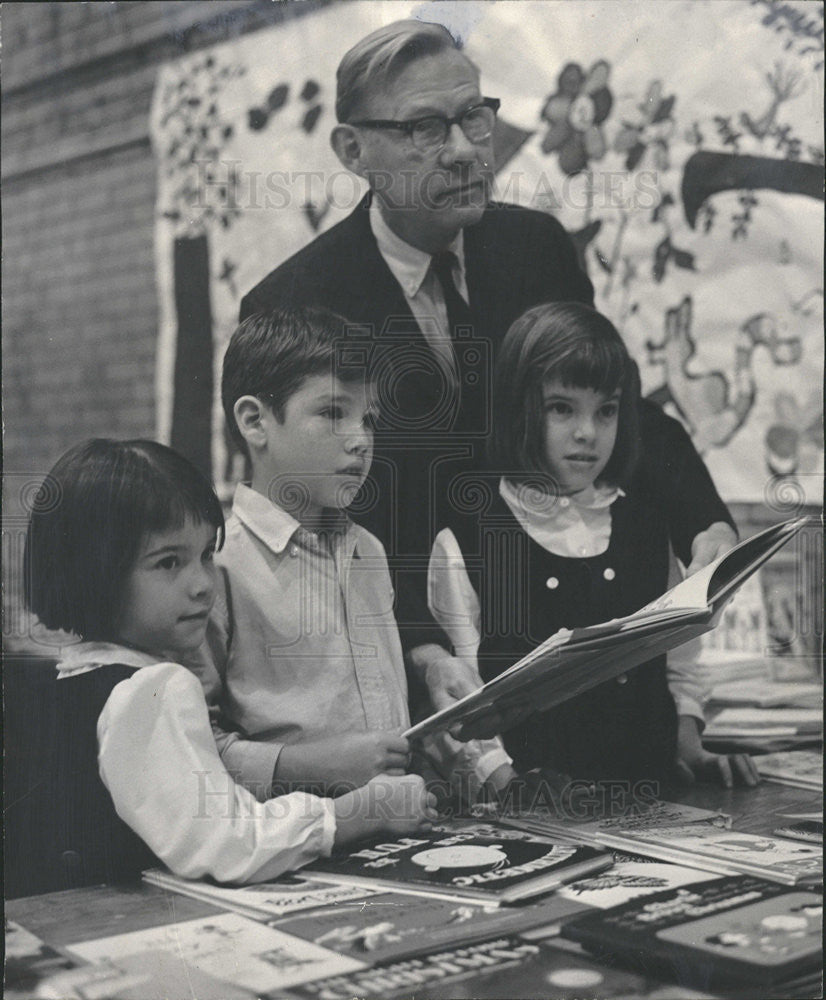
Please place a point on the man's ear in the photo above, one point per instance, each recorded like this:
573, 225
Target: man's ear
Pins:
348, 147
250, 416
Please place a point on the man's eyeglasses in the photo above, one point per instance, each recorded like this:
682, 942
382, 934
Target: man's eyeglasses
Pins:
429, 134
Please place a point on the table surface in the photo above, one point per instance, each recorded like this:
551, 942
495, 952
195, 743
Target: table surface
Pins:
64, 918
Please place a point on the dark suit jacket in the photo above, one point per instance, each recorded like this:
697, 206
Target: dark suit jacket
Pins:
515, 258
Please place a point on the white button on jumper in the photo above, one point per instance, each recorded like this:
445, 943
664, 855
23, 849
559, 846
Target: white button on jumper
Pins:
608, 573
552, 583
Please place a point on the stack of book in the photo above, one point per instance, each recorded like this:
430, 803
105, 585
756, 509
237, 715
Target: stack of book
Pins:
764, 693
799, 768
692, 837
750, 728
723, 934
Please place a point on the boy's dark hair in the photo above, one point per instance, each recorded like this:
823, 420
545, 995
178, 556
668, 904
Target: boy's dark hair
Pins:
270, 354
580, 347
89, 520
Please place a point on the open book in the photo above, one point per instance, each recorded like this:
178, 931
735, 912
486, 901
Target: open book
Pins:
571, 662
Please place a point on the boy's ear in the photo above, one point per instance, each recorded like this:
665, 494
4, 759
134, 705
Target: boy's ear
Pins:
347, 146
250, 416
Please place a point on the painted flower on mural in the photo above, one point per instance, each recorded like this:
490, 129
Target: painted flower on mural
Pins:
575, 113
650, 133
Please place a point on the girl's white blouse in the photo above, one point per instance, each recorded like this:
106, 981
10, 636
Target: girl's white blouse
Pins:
158, 759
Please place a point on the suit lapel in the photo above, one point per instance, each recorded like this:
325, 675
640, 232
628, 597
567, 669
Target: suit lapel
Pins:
375, 289
484, 282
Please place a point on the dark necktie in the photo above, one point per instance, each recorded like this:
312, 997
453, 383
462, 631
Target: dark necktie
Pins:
458, 311
471, 416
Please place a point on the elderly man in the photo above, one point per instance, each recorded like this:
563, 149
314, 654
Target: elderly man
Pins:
433, 273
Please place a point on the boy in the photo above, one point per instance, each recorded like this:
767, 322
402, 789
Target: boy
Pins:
303, 665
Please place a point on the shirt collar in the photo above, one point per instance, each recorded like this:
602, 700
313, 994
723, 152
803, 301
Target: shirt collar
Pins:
535, 508
408, 265
86, 656
276, 528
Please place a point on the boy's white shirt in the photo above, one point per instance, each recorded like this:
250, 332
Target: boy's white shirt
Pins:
158, 759
573, 528
466, 766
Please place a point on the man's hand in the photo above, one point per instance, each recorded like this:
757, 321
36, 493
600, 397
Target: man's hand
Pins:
348, 759
694, 763
710, 544
447, 677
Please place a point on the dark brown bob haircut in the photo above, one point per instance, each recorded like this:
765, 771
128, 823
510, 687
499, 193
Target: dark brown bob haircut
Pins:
580, 347
89, 519
271, 354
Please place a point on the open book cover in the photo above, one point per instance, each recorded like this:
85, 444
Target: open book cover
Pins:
571, 662
463, 865
730, 932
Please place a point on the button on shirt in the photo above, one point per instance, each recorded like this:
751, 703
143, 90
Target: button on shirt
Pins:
302, 643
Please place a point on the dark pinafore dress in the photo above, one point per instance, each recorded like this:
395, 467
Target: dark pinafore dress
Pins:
623, 729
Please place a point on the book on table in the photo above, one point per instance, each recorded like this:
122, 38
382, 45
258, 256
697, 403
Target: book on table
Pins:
262, 901
685, 835
607, 825
506, 966
729, 932
391, 925
764, 693
746, 724
798, 768
503, 867
571, 662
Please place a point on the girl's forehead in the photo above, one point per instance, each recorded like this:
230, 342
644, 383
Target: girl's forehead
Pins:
555, 386
190, 532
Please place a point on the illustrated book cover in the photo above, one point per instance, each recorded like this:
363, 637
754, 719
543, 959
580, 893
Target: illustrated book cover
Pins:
389, 926
724, 933
490, 970
730, 852
461, 865
262, 901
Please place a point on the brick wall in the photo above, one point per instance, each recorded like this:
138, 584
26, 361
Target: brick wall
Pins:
79, 297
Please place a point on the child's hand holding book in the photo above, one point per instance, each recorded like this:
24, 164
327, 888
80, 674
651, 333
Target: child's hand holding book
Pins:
349, 759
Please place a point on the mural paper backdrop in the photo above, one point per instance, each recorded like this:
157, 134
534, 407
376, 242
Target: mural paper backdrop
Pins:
680, 144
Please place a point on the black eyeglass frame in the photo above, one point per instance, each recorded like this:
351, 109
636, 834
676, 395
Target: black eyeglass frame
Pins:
408, 127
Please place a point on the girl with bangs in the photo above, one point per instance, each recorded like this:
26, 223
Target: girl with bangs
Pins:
119, 553
571, 532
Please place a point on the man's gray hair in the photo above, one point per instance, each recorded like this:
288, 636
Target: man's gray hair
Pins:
370, 63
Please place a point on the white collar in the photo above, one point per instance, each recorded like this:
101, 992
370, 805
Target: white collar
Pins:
274, 526
538, 507
86, 656
408, 264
